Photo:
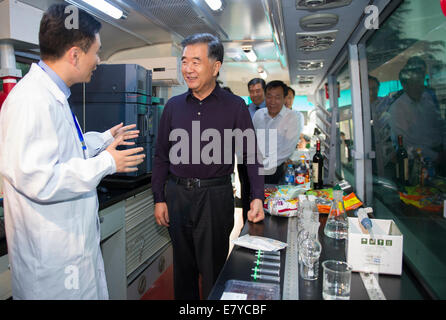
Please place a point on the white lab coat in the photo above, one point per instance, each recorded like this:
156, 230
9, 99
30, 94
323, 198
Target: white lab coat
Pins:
50, 199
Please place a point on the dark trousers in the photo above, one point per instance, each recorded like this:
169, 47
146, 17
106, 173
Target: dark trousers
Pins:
277, 177
201, 220
245, 190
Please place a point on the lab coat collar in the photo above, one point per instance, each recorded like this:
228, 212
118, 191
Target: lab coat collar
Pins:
56, 78
52, 86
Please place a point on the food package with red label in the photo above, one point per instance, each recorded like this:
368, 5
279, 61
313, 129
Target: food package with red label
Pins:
424, 198
325, 196
283, 207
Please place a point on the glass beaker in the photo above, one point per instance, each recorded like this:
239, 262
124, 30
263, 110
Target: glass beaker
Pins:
336, 280
337, 223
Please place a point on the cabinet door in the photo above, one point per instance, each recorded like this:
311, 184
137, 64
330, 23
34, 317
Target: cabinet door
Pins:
144, 237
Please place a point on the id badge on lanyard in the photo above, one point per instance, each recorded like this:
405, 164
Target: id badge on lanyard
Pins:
81, 136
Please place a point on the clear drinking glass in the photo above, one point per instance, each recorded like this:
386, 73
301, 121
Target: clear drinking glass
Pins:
337, 277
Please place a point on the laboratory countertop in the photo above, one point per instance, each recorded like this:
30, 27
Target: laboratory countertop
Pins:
241, 260
109, 193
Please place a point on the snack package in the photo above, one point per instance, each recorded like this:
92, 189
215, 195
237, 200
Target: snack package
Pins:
323, 205
276, 197
424, 198
322, 193
288, 192
325, 196
323, 199
269, 191
351, 202
283, 207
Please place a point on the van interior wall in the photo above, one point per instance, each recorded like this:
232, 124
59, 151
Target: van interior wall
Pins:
174, 50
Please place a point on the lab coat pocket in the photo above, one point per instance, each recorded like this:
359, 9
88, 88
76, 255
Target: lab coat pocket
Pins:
61, 245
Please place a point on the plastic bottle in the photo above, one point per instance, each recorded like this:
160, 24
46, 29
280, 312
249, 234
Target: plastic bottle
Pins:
289, 175
365, 221
430, 169
337, 224
302, 173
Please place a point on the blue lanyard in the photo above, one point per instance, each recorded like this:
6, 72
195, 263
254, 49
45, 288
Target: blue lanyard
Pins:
79, 133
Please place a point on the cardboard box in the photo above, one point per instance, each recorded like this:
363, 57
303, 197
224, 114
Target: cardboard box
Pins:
381, 253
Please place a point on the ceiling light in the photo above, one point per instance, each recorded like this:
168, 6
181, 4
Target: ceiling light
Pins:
250, 54
314, 3
214, 4
106, 8
262, 73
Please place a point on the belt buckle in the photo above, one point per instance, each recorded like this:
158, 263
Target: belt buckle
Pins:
192, 183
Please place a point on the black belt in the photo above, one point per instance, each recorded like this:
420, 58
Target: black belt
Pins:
191, 183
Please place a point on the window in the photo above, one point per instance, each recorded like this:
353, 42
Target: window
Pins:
344, 130
407, 85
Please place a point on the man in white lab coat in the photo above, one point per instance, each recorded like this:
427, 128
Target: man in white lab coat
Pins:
51, 173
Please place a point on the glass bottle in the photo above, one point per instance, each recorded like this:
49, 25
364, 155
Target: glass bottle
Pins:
337, 224
402, 164
318, 167
309, 252
415, 176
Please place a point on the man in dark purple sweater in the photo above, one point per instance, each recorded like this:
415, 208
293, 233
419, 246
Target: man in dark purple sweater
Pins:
191, 179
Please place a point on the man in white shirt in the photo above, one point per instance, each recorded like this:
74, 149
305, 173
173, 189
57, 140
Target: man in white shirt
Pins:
256, 89
277, 131
415, 114
289, 100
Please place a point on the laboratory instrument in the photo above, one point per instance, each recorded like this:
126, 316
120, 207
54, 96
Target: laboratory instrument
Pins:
309, 253
337, 224
336, 281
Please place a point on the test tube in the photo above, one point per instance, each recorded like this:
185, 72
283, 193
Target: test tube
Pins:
270, 257
268, 252
267, 263
265, 277
267, 271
